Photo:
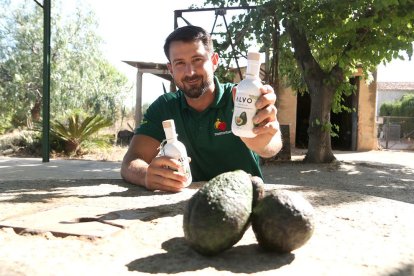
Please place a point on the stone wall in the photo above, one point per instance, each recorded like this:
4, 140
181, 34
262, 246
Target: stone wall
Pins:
367, 129
286, 110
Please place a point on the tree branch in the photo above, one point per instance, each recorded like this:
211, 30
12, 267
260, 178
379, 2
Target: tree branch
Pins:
303, 54
37, 2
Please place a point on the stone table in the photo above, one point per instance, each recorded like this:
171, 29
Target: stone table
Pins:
108, 227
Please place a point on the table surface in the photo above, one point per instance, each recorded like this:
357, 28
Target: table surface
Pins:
42, 233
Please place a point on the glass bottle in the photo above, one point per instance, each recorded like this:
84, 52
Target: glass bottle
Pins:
246, 96
173, 148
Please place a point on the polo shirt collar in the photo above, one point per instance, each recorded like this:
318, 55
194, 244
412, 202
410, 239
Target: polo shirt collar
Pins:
218, 96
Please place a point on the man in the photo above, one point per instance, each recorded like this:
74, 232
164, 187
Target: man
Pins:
202, 109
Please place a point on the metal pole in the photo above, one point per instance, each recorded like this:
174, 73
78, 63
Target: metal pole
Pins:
46, 81
387, 132
138, 100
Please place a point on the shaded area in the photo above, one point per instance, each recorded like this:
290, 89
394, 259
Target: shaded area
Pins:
407, 270
367, 178
145, 213
90, 208
347, 121
32, 168
23, 191
230, 260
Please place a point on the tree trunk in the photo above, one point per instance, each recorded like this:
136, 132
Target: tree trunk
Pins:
319, 145
71, 147
35, 111
321, 87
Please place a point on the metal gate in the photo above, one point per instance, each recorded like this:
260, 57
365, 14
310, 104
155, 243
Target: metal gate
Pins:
396, 132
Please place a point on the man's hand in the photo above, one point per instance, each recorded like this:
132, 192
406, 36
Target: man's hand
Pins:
265, 119
162, 174
268, 141
143, 167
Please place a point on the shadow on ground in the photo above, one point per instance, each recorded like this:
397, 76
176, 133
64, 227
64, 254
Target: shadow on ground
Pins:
368, 178
178, 250
22, 191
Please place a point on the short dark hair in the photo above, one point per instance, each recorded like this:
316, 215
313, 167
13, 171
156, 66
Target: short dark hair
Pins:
188, 34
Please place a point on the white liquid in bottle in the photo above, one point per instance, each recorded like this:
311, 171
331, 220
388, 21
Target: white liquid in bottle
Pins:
175, 149
246, 96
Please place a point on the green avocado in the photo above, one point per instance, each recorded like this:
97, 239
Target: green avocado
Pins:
239, 121
258, 189
243, 117
218, 214
282, 221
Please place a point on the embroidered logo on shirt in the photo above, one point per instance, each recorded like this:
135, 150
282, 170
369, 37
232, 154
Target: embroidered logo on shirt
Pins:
219, 125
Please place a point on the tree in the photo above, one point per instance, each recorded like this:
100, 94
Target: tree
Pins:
328, 40
21, 65
81, 78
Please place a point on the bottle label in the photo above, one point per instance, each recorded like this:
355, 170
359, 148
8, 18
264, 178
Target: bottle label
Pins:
244, 110
184, 161
185, 166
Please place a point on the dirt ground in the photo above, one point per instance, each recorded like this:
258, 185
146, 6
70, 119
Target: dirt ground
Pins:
364, 205
387, 174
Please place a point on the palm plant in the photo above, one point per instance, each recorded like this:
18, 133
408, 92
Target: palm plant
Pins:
77, 132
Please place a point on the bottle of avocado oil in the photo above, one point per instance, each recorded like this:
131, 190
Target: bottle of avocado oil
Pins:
247, 94
173, 148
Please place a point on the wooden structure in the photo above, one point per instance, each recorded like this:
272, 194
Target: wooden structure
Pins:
158, 69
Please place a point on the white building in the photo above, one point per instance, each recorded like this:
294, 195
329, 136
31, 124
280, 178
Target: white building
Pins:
392, 91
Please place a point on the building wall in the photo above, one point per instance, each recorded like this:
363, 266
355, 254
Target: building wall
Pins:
286, 111
367, 129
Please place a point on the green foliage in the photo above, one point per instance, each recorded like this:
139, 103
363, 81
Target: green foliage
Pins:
80, 75
345, 89
347, 34
319, 45
76, 132
27, 141
332, 129
401, 112
403, 107
224, 74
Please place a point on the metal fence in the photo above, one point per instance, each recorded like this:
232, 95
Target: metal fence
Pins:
396, 132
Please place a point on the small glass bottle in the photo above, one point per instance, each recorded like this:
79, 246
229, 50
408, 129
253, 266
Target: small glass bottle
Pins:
173, 148
246, 96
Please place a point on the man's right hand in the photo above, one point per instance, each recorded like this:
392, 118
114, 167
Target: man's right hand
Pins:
162, 174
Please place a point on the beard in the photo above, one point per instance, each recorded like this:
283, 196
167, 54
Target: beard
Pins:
194, 91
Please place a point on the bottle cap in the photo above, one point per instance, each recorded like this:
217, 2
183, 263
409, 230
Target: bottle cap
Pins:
253, 55
168, 124
169, 129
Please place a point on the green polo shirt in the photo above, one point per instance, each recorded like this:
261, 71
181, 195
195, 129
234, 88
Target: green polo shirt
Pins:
207, 135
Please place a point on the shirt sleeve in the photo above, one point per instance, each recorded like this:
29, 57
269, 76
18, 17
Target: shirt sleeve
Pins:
151, 125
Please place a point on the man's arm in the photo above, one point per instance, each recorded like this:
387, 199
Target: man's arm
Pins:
141, 166
267, 144
268, 141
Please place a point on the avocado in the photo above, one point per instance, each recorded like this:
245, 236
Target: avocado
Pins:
242, 119
218, 214
258, 189
243, 116
239, 121
282, 221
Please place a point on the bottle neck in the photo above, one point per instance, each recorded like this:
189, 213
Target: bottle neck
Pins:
172, 139
170, 135
253, 69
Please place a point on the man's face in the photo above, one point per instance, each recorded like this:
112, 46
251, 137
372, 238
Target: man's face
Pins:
192, 67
